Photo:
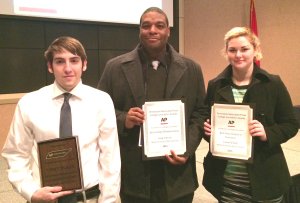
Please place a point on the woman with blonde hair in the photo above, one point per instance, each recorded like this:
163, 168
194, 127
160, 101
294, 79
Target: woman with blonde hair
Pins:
267, 177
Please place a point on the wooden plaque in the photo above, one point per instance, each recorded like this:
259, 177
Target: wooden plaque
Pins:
60, 163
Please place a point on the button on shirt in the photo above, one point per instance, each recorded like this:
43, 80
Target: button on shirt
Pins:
93, 119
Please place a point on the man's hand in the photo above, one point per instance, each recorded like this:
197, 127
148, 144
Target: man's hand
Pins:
207, 127
176, 160
48, 194
135, 116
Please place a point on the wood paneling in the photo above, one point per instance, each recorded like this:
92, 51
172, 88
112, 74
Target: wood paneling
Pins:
23, 41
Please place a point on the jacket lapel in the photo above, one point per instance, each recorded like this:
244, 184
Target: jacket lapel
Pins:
176, 70
175, 73
226, 94
134, 76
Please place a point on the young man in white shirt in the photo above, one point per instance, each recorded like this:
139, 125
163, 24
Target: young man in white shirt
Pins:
37, 118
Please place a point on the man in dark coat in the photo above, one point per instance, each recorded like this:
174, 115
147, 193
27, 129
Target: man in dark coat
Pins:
131, 81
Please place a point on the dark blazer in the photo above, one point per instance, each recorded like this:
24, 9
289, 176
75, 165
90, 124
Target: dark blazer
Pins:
269, 174
123, 80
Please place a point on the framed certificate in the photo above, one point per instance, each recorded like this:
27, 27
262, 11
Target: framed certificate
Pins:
60, 164
163, 129
230, 137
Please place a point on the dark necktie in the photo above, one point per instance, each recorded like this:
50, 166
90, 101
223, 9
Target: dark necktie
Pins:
156, 81
65, 126
65, 130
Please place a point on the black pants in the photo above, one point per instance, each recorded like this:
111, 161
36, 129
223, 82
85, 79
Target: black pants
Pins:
131, 199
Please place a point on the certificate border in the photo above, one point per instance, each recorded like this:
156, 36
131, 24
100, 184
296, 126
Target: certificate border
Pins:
227, 156
144, 128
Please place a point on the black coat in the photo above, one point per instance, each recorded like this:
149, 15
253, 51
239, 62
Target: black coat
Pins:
269, 174
122, 79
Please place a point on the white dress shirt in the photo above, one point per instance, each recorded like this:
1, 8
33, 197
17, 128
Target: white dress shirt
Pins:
36, 119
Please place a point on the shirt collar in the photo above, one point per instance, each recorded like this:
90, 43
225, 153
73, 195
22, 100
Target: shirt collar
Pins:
76, 91
163, 59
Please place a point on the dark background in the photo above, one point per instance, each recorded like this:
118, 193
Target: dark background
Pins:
23, 41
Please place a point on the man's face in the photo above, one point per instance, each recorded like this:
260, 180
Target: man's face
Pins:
67, 69
154, 31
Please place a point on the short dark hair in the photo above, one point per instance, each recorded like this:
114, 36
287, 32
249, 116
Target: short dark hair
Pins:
155, 9
68, 43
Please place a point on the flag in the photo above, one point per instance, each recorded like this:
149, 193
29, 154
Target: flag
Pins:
253, 23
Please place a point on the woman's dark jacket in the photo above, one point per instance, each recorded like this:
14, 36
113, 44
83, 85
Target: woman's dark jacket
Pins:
269, 174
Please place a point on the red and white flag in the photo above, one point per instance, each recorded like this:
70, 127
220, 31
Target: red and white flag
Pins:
253, 23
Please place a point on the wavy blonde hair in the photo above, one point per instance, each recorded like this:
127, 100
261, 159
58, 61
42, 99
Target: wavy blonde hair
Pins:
243, 32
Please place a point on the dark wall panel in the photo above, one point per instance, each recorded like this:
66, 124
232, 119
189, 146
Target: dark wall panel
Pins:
87, 34
23, 41
21, 70
21, 34
115, 39
105, 55
92, 74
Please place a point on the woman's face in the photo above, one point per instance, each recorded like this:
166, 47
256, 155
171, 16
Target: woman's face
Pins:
240, 53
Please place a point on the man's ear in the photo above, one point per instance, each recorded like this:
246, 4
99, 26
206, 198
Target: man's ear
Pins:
50, 68
84, 67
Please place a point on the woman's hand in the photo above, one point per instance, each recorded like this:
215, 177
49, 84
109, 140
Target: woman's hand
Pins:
256, 129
